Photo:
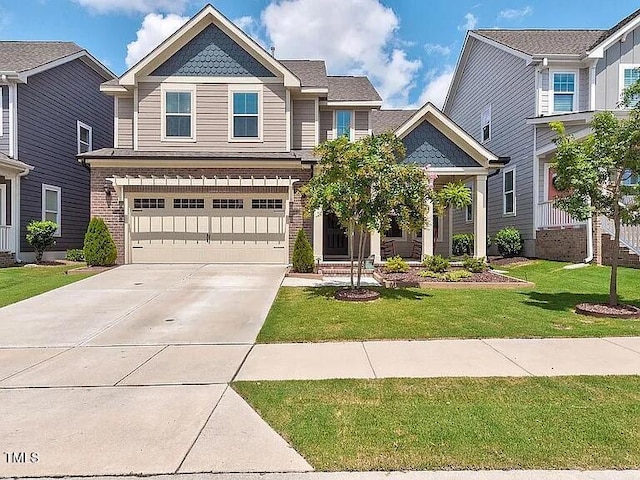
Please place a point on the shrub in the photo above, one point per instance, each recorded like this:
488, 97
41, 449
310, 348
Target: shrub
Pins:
462, 244
509, 242
396, 265
75, 255
429, 274
437, 263
474, 265
40, 235
456, 275
99, 248
303, 260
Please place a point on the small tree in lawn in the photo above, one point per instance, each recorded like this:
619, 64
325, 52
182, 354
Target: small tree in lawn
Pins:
591, 173
363, 183
99, 248
40, 235
303, 260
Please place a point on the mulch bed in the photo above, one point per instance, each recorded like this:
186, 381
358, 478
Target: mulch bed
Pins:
504, 261
356, 294
412, 277
606, 310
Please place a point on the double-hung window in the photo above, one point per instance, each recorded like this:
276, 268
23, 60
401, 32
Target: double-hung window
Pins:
629, 74
343, 124
485, 124
509, 192
565, 91
179, 114
52, 205
85, 137
246, 115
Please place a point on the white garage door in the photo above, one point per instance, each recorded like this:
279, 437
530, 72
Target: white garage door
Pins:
207, 229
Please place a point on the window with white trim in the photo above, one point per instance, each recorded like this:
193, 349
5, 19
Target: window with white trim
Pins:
468, 211
178, 108
246, 115
485, 124
85, 137
343, 123
629, 74
565, 91
52, 205
509, 192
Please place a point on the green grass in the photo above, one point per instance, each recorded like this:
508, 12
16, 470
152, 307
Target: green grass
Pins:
18, 283
407, 424
546, 310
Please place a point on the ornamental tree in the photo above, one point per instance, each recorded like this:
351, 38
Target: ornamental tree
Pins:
593, 173
363, 183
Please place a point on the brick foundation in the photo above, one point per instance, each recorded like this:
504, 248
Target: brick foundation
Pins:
625, 257
109, 208
7, 259
563, 245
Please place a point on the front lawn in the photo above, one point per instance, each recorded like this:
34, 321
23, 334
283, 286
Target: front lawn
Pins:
18, 283
490, 423
546, 310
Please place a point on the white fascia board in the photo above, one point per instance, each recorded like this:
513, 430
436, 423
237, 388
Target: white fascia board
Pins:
82, 54
370, 103
314, 90
500, 46
582, 117
462, 59
598, 50
206, 79
208, 15
114, 89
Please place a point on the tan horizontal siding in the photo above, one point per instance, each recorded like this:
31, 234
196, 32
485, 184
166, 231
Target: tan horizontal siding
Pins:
125, 122
326, 125
361, 124
304, 124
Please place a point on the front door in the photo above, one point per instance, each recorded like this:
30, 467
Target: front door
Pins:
335, 237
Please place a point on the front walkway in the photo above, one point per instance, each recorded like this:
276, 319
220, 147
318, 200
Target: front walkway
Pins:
444, 358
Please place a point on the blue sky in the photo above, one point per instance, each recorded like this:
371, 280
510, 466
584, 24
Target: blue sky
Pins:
407, 47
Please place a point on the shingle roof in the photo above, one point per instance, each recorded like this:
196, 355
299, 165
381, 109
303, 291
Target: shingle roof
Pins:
615, 28
351, 89
389, 120
181, 154
17, 56
545, 42
312, 73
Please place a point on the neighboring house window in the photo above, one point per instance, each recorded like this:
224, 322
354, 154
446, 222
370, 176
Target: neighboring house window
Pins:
178, 111
629, 179
629, 74
468, 214
485, 124
565, 94
52, 205
343, 123
85, 137
395, 231
246, 115
509, 192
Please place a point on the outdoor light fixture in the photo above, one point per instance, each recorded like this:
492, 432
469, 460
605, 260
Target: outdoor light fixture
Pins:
107, 188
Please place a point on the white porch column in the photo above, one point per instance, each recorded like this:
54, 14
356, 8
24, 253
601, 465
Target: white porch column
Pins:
427, 232
480, 216
375, 246
318, 234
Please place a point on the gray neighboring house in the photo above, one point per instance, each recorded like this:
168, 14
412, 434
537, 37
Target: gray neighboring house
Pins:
51, 109
508, 86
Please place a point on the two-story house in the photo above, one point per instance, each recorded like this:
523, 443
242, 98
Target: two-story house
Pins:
51, 109
508, 86
214, 137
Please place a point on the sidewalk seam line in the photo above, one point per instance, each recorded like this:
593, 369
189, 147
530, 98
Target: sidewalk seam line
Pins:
505, 356
618, 345
141, 365
35, 364
375, 375
233, 378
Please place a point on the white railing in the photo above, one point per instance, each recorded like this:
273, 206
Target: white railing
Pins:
629, 235
551, 217
6, 238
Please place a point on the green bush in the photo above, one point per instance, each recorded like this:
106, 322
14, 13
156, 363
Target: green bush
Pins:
396, 265
437, 263
456, 275
99, 248
303, 260
75, 255
462, 244
429, 274
474, 265
40, 235
509, 242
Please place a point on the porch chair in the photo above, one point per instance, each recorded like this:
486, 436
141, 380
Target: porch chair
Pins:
387, 249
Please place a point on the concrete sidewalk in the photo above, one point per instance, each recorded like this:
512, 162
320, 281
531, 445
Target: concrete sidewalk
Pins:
443, 358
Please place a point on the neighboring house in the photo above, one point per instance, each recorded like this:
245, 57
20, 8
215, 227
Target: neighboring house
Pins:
508, 86
214, 138
51, 109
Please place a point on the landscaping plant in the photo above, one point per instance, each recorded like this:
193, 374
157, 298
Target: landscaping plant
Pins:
303, 260
509, 242
99, 249
474, 265
592, 173
41, 235
75, 255
436, 263
462, 244
396, 265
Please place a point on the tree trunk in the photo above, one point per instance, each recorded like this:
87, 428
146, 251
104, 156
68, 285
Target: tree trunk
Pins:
360, 255
613, 284
351, 234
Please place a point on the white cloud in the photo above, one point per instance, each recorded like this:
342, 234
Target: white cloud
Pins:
437, 87
140, 6
436, 48
251, 27
515, 14
155, 28
360, 40
470, 22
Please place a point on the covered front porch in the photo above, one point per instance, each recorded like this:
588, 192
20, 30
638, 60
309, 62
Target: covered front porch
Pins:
11, 171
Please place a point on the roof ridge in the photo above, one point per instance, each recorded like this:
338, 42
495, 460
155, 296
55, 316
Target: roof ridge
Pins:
540, 30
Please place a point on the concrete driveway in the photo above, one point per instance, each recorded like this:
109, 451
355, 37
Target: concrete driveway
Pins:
127, 372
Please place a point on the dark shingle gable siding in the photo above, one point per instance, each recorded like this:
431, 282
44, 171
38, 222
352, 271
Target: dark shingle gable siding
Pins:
212, 53
426, 145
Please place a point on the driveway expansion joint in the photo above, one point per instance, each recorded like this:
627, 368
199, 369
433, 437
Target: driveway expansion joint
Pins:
506, 357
